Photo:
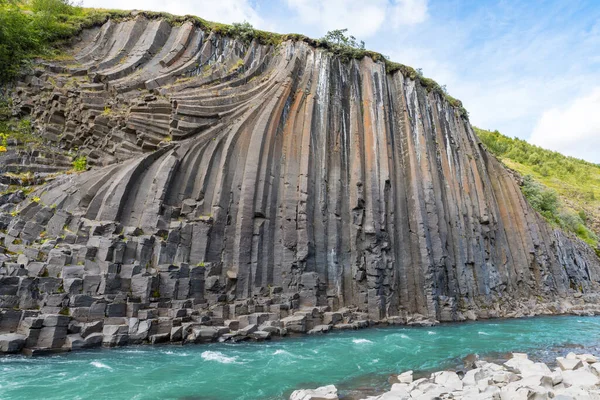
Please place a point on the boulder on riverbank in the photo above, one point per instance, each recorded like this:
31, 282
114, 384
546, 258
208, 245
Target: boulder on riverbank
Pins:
323, 393
11, 343
576, 377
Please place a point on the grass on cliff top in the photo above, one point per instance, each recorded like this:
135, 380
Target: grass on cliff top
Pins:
565, 190
37, 28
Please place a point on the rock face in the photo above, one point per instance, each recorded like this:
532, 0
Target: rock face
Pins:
226, 171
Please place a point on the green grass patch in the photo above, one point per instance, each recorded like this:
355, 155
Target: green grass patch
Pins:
565, 190
18, 129
80, 164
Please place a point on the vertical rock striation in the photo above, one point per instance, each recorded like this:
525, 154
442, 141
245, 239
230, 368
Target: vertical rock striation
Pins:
272, 169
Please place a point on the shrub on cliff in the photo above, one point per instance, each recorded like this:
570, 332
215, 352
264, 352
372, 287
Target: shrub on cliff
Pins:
544, 200
27, 28
345, 47
80, 164
18, 39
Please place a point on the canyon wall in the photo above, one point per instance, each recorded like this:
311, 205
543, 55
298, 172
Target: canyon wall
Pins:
225, 171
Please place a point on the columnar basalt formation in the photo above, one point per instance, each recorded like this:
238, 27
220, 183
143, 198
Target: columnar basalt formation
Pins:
228, 173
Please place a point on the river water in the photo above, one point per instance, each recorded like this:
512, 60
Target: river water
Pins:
358, 362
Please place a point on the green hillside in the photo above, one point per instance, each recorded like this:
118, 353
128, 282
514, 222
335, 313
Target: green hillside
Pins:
565, 190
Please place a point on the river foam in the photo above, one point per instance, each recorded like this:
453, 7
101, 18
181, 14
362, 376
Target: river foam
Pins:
218, 357
98, 364
361, 341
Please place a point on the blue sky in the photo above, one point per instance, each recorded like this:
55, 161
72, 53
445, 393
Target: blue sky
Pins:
527, 68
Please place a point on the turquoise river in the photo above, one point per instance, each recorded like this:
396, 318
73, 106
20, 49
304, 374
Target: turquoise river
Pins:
352, 360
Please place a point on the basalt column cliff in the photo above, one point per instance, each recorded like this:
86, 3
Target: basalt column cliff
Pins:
233, 178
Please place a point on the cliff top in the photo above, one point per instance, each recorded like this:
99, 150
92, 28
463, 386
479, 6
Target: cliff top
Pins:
54, 22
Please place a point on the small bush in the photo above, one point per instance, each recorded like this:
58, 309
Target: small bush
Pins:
243, 31
80, 163
338, 38
345, 47
542, 199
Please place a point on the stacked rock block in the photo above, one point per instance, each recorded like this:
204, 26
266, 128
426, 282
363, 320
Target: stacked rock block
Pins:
236, 178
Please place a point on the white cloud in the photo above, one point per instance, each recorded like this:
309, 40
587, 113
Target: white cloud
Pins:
362, 18
226, 11
501, 61
408, 12
574, 130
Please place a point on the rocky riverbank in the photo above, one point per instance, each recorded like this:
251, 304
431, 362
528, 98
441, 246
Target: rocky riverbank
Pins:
95, 322
575, 377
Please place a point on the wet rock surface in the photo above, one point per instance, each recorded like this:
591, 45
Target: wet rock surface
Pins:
242, 191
